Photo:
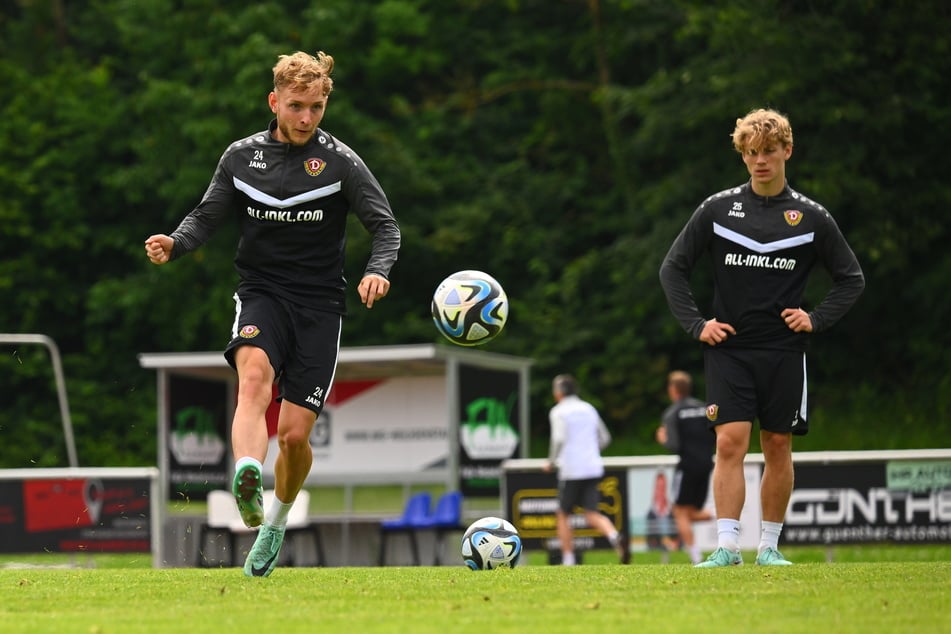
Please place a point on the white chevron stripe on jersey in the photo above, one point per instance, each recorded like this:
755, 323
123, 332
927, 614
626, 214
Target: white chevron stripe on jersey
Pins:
277, 203
762, 247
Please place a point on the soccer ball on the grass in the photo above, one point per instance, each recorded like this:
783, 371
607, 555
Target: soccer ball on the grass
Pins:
470, 308
490, 543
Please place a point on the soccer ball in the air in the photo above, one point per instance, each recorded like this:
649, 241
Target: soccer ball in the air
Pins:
470, 308
490, 543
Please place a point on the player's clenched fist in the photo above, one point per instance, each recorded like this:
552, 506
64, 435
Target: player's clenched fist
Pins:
158, 248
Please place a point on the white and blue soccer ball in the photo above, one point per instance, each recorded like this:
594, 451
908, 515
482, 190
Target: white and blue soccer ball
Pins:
470, 308
490, 543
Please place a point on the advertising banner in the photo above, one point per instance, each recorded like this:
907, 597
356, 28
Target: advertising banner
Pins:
197, 440
652, 525
376, 427
532, 499
888, 501
488, 429
651, 496
75, 515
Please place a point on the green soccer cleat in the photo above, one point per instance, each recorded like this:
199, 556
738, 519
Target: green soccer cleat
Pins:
772, 557
721, 557
263, 555
249, 495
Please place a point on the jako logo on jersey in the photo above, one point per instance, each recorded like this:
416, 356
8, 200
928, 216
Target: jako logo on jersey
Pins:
257, 160
712, 411
250, 332
793, 217
314, 166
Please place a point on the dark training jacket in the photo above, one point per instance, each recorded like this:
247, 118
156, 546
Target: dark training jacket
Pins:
762, 251
291, 203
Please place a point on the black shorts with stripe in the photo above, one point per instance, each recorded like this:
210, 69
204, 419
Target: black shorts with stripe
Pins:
302, 344
757, 384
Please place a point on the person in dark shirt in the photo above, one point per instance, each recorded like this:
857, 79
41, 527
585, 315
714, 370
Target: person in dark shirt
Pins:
763, 238
684, 430
289, 188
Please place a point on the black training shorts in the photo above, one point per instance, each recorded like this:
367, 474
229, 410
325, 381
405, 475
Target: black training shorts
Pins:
690, 487
302, 344
582, 493
748, 384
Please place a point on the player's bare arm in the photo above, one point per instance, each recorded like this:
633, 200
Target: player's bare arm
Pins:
372, 288
715, 332
158, 248
797, 320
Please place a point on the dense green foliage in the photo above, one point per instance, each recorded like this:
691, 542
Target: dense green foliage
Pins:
558, 145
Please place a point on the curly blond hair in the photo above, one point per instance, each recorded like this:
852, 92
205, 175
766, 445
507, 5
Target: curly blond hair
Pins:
759, 128
301, 71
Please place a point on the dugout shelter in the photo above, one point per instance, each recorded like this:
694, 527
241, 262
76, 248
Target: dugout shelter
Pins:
395, 414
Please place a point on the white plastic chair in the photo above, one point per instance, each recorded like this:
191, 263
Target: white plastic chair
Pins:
223, 517
299, 525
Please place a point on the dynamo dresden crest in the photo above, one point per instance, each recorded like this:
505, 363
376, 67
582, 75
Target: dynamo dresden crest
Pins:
315, 166
250, 331
793, 217
712, 411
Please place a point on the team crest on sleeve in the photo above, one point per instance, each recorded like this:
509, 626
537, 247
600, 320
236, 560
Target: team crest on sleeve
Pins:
793, 217
250, 332
712, 411
314, 166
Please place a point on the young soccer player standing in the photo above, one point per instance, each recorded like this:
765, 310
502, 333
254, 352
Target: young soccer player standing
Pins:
763, 239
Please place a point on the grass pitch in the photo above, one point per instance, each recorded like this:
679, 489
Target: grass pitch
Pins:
813, 597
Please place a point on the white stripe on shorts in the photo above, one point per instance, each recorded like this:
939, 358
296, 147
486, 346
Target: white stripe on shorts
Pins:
802, 405
237, 315
339, 330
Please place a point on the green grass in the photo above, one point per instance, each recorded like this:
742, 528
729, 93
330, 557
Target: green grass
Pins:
888, 590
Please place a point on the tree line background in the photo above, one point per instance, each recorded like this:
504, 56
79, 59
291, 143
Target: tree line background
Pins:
558, 144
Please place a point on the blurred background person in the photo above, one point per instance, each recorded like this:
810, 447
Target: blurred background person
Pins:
685, 430
578, 435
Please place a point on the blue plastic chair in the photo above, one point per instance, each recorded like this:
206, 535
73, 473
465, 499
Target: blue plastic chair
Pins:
415, 513
446, 518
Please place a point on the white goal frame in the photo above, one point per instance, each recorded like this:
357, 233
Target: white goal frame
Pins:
43, 340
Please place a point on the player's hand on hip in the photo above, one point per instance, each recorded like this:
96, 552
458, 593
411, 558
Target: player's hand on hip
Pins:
158, 248
372, 288
797, 320
715, 332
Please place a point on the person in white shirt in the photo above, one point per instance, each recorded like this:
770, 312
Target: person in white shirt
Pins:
578, 435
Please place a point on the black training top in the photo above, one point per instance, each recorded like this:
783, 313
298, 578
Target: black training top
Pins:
291, 203
689, 434
762, 250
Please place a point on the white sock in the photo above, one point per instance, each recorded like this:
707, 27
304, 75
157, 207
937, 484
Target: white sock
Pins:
728, 534
695, 556
568, 559
769, 538
247, 460
613, 538
276, 514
